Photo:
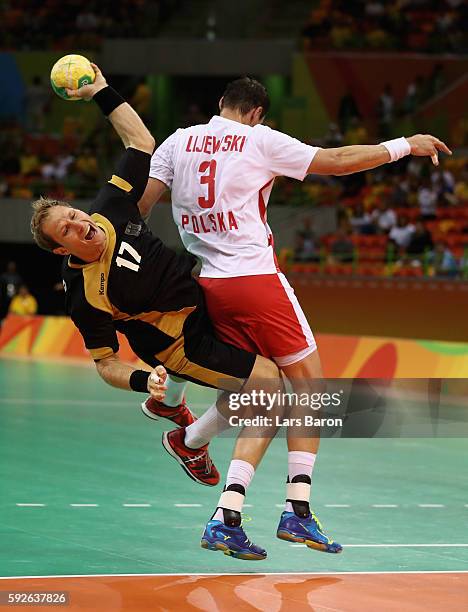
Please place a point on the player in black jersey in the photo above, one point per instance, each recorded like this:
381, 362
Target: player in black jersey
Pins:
118, 276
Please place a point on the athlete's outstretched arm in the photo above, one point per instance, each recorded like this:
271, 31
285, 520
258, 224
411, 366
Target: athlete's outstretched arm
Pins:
117, 374
127, 123
355, 158
154, 190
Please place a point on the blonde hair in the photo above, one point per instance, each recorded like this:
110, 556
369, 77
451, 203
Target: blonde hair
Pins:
41, 210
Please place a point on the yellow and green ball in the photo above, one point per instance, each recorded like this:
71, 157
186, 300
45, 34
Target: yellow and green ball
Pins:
72, 72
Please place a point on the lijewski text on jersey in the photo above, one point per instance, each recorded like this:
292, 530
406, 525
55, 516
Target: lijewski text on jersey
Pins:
211, 144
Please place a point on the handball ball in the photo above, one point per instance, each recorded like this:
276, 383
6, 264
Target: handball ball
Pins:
72, 71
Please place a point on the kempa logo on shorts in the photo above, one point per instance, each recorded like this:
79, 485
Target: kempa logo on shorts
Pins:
101, 284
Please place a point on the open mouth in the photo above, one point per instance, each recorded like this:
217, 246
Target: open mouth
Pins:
90, 233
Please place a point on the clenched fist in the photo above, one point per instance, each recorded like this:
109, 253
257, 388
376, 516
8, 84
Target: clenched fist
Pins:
157, 383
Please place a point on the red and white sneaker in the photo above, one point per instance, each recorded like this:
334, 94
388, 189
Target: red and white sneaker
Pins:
195, 461
180, 415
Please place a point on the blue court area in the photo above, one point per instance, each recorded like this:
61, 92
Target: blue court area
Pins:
86, 488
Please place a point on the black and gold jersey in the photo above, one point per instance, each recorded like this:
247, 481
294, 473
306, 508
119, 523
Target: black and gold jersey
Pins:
138, 286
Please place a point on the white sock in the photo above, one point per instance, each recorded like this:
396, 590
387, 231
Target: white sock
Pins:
205, 428
299, 462
175, 391
240, 472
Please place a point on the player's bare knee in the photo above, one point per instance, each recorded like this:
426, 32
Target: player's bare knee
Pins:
265, 369
265, 376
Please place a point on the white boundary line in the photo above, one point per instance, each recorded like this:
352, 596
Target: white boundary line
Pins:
213, 574
58, 402
188, 505
337, 505
31, 505
136, 505
431, 505
84, 505
77, 402
385, 505
398, 545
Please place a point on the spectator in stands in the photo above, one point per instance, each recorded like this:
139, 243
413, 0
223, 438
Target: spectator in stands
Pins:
305, 243
347, 111
447, 34
54, 171
443, 261
384, 217
56, 168
401, 233
443, 183
427, 200
333, 138
436, 81
11, 279
141, 100
460, 135
342, 33
385, 112
374, 8
399, 192
461, 186
414, 95
29, 161
87, 21
420, 243
23, 303
341, 248
361, 221
86, 165
414, 169
356, 133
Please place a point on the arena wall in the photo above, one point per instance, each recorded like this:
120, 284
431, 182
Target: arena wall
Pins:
342, 356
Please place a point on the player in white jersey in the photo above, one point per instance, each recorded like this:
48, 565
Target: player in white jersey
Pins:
221, 175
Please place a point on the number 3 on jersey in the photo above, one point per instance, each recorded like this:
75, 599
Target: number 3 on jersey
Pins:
208, 167
124, 263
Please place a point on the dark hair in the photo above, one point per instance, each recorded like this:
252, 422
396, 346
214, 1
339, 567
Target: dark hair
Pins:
244, 95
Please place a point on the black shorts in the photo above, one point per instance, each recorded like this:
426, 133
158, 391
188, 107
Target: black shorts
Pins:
200, 357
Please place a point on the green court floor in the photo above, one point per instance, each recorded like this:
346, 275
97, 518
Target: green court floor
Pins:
106, 497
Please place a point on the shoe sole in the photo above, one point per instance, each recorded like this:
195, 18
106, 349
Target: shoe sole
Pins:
289, 537
174, 455
155, 417
231, 553
148, 413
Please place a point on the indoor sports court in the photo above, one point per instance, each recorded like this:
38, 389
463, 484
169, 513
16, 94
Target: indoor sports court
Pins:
88, 494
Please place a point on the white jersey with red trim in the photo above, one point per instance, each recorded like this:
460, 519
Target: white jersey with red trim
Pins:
221, 175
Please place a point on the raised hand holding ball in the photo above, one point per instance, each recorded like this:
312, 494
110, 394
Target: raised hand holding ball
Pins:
71, 72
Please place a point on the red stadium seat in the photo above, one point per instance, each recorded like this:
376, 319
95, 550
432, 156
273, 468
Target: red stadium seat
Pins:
456, 240
408, 272
305, 268
339, 269
370, 270
371, 255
